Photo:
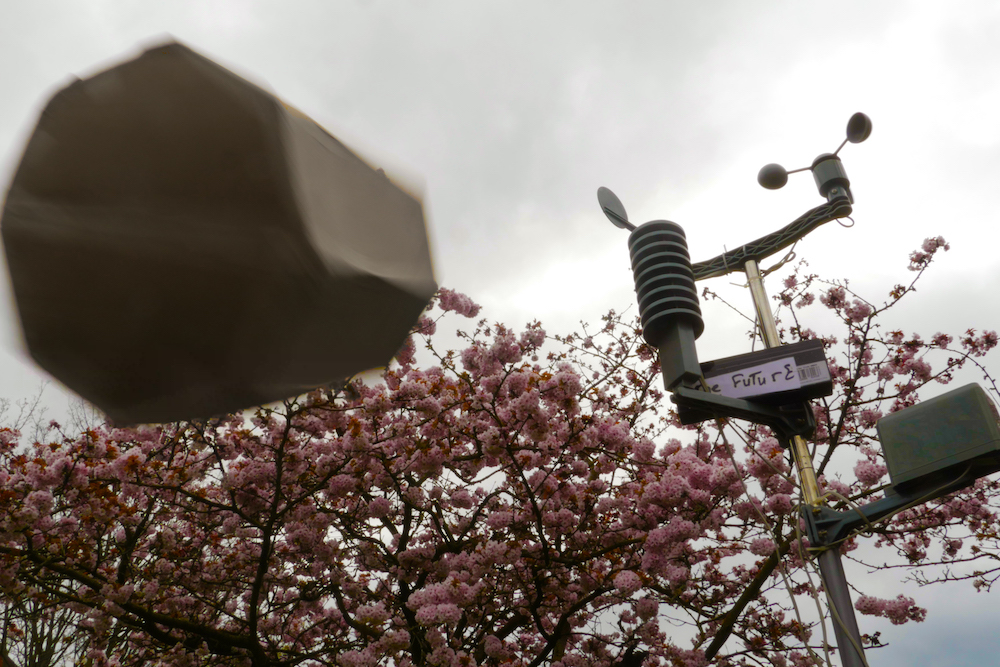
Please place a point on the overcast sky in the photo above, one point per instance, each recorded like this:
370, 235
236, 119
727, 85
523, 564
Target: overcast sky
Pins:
511, 114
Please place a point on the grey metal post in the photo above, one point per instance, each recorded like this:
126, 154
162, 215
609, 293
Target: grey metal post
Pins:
838, 595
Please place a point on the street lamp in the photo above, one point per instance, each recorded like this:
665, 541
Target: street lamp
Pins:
183, 244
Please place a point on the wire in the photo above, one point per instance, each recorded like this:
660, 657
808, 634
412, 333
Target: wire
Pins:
789, 256
833, 607
804, 557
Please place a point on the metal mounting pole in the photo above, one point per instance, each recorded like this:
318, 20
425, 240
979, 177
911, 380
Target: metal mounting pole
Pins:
769, 334
838, 595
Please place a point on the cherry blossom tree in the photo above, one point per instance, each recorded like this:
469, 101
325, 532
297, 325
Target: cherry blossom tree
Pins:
525, 500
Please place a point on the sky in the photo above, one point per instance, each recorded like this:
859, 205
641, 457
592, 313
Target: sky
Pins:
509, 115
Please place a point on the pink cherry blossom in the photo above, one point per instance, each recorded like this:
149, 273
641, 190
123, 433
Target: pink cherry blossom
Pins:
525, 499
898, 611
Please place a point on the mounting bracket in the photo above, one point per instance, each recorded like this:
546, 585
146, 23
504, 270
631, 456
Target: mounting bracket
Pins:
827, 527
787, 421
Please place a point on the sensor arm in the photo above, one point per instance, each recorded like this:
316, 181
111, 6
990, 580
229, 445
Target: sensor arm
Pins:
827, 527
766, 246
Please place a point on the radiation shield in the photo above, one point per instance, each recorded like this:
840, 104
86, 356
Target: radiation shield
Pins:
182, 244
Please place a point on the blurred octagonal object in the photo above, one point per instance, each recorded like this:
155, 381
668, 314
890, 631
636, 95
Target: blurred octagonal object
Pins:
182, 244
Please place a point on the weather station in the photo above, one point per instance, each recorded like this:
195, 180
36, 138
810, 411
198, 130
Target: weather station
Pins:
931, 449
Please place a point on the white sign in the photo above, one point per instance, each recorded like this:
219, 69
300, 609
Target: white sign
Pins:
769, 378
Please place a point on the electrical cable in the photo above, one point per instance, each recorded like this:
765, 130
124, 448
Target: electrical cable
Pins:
719, 266
780, 565
789, 256
869, 526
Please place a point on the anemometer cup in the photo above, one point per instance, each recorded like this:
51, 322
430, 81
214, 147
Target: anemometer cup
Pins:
827, 169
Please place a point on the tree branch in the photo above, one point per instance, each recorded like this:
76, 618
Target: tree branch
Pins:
749, 595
